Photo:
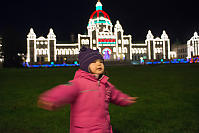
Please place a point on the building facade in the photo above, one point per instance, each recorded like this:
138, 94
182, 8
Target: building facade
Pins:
40, 50
110, 39
1, 51
193, 46
153, 48
180, 50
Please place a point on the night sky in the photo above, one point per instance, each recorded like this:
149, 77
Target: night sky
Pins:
179, 18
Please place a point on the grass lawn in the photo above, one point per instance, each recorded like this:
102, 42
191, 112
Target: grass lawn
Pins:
168, 99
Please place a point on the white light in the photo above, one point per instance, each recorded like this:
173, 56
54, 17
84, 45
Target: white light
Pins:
120, 50
114, 56
114, 49
119, 41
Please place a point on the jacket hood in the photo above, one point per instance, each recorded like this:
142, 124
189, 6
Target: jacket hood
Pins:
83, 74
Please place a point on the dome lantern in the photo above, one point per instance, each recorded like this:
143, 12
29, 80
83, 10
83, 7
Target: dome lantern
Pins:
99, 12
98, 5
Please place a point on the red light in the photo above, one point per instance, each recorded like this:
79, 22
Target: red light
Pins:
105, 14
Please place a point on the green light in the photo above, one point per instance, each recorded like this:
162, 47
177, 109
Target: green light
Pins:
99, 8
75, 62
100, 21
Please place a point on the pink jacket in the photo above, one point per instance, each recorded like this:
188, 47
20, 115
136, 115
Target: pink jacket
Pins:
89, 99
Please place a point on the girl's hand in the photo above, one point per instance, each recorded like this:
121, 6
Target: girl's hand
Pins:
46, 105
131, 100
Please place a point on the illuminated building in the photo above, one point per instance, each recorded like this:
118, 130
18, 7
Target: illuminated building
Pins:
180, 50
114, 45
193, 46
102, 35
47, 50
153, 48
1, 51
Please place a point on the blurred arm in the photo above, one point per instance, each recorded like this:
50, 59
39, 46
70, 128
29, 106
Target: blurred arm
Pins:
119, 98
58, 96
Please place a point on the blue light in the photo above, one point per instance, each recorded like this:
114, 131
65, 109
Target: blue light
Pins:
49, 65
166, 62
156, 62
149, 63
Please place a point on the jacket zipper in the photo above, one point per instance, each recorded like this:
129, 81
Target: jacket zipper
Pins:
99, 80
105, 103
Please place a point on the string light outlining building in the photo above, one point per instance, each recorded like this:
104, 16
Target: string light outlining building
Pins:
103, 35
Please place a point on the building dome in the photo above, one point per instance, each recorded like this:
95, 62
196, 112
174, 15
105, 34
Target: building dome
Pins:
99, 14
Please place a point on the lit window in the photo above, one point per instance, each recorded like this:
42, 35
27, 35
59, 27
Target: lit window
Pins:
114, 49
63, 51
94, 41
87, 41
59, 52
124, 50
114, 56
67, 52
126, 41
136, 51
44, 52
120, 50
82, 41
40, 51
119, 41
99, 49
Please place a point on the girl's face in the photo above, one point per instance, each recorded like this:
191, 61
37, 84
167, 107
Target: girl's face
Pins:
97, 67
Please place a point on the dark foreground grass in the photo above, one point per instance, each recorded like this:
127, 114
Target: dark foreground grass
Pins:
168, 99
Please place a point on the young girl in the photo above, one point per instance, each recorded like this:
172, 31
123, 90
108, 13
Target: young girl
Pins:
89, 94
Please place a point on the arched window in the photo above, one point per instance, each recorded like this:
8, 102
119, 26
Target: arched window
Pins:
114, 49
100, 50
43, 52
70, 52
62, 51
124, 50
67, 52
59, 52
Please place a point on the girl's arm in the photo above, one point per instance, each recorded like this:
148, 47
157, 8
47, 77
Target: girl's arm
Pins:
119, 98
58, 96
